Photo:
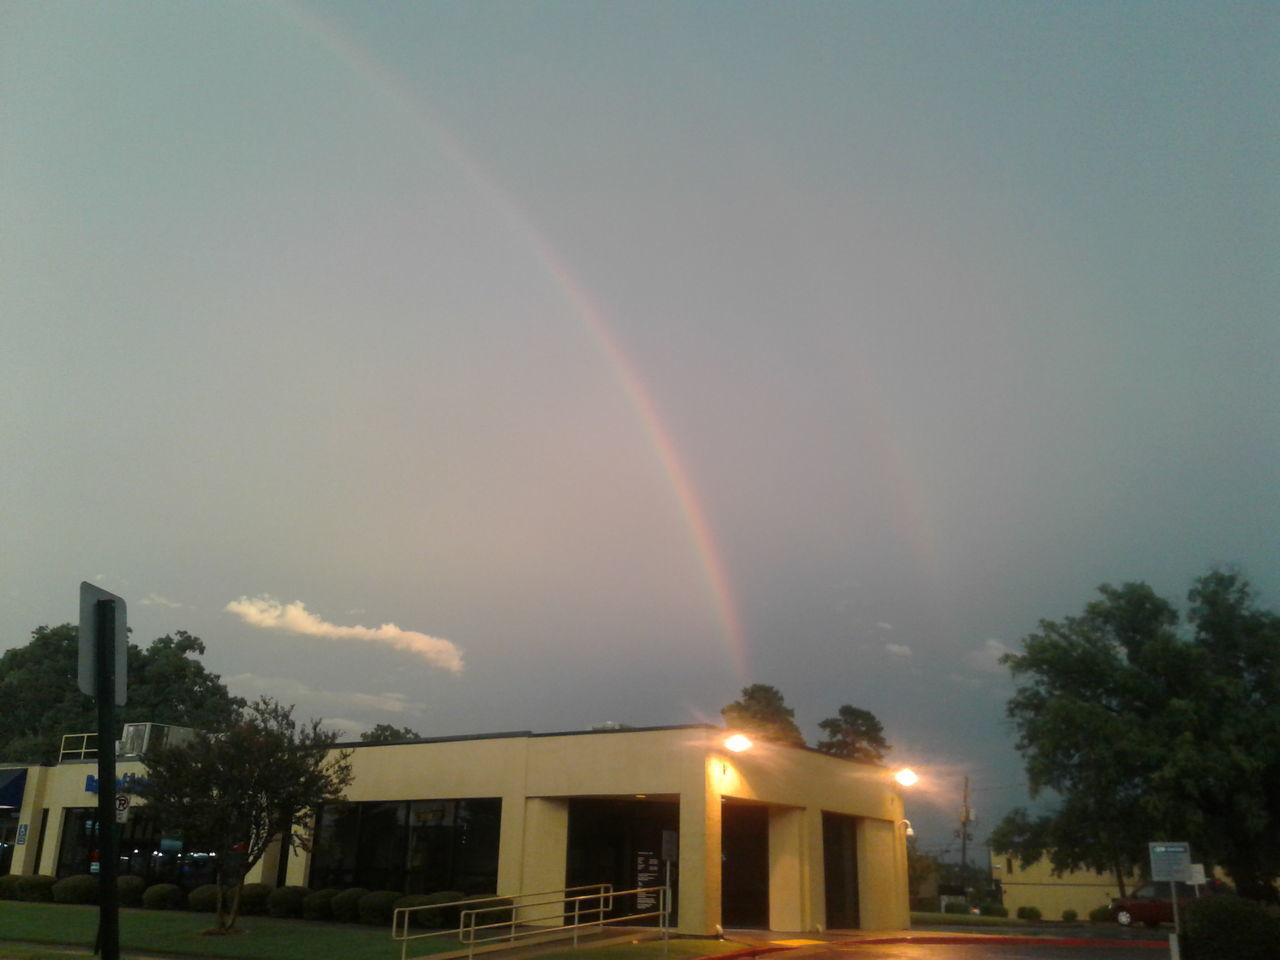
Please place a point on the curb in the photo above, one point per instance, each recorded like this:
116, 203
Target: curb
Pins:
1011, 941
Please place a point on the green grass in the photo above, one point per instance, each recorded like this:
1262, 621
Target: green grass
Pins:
144, 932
967, 920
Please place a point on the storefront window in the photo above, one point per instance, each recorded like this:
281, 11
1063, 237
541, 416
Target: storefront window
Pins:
145, 850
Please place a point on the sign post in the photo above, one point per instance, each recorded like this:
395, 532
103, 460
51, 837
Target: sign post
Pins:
103, 651
1171, 862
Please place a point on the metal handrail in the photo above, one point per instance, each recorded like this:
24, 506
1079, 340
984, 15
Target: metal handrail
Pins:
587, 910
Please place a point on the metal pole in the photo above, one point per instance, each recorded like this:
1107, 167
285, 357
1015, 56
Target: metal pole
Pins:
108, 944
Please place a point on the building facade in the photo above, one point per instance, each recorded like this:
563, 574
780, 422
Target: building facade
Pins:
772, 837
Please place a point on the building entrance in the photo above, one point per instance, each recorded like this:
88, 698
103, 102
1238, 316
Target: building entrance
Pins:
840, 864
620, 842
744, 875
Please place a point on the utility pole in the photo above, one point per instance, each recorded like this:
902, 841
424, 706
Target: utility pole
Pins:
966, 816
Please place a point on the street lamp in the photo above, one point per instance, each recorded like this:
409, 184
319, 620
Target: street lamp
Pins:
906, 777
737, 743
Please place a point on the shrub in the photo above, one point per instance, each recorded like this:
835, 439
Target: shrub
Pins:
1230, 928
129, 890
496, 910
79, 888
162, 896
346, 904
318, 905
36, 887
954, 907
1069, 916
434, 919
9, 886
993, 910
286, 901
1028, 913
375, 908
253, 899
1100, 914
204, 899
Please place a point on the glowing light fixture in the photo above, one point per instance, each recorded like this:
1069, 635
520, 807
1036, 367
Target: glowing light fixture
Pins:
910, 830
737, 743
906, 777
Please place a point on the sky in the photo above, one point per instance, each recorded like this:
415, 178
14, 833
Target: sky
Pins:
478, 367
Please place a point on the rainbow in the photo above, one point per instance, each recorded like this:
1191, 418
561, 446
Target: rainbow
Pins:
362, 62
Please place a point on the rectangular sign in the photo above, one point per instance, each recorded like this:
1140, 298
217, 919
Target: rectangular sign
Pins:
87, 674
1170, 861
22, 835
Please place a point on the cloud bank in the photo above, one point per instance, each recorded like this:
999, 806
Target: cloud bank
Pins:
898, 649
987, 658
270, 614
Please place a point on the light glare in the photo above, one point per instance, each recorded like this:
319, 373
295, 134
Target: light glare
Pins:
906, 777
737, 743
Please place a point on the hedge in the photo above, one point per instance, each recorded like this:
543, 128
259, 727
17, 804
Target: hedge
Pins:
253, 899
1100, 914
375, 908
1230, 928
36, 888
318, 905
1070, 916
346, 904
162, 896
993, 910
286, 901
9, 886
204, 899
1028, 913
129, 890
79, 888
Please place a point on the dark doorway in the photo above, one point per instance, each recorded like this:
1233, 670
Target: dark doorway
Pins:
840, 865
620, 842
744, 862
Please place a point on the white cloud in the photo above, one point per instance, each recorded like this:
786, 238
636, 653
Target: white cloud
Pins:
884, 626
270, 614
286, 689
986, 659
898, 649
155, 600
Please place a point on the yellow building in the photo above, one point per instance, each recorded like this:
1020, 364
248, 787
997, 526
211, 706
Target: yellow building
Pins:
773, 837
1036, 886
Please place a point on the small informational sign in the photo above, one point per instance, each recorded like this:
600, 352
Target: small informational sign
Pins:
1197, 877
670, 846
1170, 862
22, 835
122, 808
647, 867
87, 672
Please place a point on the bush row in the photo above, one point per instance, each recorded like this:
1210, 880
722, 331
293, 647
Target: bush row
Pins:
352, 905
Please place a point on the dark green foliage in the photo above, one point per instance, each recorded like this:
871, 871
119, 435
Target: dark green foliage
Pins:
1070, 916
162, 896
129, 890
204, 899
763, 713
993, 910
9, 886
236, 793
1100, 914
318, 905
488, 909
80, 888
375, 907
253, 899
1230, 928
36, 888
954, 907
435, 919
345, 905
286, 901
854, 734
42, 700
1028, 913
1149, 732
386, 733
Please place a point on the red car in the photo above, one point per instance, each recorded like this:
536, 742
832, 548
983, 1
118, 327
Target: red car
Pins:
1150, 903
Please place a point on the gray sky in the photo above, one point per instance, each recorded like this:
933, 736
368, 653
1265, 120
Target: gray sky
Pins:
623, 354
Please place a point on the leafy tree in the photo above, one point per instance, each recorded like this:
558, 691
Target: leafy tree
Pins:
236, 792
1147, 734
854, 734
386, 733
763, 713
43, 701
922, 869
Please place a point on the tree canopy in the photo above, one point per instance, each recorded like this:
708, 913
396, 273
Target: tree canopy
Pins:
38, 687
386, 733
1145, 732
854, 734
762, 712
235, 792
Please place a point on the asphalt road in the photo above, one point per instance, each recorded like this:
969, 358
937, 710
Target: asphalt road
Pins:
974, 951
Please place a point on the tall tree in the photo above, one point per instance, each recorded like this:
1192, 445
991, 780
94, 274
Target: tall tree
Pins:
854, 734
386, 733
238, 791
762, 712
38, 687
1147, 734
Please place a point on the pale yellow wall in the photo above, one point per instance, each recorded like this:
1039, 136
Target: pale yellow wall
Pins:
788, 862
546, 847
1036, 886
883, 901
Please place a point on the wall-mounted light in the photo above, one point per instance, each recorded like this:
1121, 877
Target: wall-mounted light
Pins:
737, 743
906, 777
910, 830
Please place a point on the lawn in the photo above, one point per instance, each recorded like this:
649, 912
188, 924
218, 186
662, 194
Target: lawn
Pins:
149, 932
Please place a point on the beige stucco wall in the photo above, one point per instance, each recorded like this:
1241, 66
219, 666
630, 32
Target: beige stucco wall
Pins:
535, 775
1036, 886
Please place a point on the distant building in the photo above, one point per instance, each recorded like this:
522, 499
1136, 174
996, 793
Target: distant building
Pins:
1036, 886
774, 837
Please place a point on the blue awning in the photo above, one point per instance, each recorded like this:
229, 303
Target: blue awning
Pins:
13, 782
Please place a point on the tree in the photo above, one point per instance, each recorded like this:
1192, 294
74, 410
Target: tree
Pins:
236, 792
764, 714
854, 734
1146, 733
386, 733
42, 699
922, 869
